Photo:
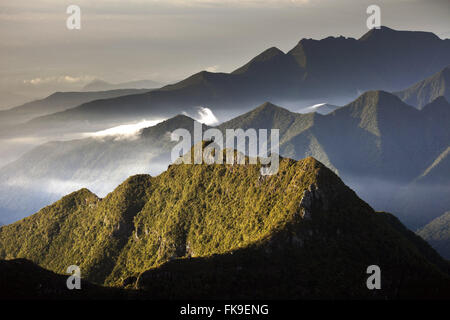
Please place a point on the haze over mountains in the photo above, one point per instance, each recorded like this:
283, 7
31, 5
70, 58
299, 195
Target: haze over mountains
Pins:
359, 141
331, 70
205, 230
16, 137
335, 70
322, 108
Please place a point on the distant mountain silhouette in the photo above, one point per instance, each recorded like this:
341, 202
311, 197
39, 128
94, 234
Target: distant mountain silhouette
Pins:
101, 85
427, 195
325, 69
205, 231
56, 102
375, 139
425, 91
99, 163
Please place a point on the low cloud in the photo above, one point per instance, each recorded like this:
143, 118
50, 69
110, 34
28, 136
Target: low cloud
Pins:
125, 131
205, 116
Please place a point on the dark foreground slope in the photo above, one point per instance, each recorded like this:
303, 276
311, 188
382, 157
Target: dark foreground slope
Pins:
425, 91
225, 231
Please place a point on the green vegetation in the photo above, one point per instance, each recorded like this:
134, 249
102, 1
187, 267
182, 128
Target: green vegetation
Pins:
302, 230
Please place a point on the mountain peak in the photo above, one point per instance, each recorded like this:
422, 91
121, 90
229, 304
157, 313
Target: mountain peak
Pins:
169, 125
445, 72
269, 53
376, 32
385, 33
379, 97
440, 100
266, 106
263, 58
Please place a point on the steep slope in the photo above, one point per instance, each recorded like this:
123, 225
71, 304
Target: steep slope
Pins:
375, 131
80, 229
218, 224
427, 196
287, 260
322, 108
435, 173
436, 115
425, 91
437, 233
327, 68
296, 139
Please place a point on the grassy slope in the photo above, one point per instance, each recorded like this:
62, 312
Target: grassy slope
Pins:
200, 211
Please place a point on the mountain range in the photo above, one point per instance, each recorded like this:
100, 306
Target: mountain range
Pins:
222, 231
59, 101
24, 280
331, 69
391, 153
101, 85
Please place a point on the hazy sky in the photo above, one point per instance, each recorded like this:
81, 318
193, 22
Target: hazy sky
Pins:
166, 40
